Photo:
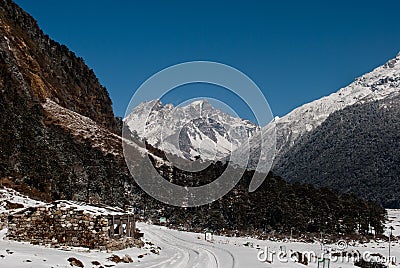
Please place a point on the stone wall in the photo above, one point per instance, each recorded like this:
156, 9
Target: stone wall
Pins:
3, 220
60, 225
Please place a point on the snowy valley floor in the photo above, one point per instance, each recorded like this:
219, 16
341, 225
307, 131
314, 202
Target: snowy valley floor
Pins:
181, 249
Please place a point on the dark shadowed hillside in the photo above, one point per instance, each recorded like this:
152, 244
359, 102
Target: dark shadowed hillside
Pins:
34, 148
356, 150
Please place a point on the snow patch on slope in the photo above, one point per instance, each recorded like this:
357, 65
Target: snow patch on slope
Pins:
86, 129
8, 195
83, 127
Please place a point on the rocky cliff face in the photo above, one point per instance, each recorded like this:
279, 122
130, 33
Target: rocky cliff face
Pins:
46, 69
37, 146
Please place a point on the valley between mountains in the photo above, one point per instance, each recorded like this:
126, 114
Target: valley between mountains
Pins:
335, 174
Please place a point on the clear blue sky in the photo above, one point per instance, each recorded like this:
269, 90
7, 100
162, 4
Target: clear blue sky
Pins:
296, 51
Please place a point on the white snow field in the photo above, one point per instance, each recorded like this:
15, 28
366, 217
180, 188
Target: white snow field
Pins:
185, 249
393, 221
179, 249
166, 248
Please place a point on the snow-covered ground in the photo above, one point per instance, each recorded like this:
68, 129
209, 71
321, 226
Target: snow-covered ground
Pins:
393, 221
178, 249
172, 248
185, 249
22, 254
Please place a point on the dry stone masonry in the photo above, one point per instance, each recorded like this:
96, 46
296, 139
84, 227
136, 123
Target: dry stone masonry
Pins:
67, 223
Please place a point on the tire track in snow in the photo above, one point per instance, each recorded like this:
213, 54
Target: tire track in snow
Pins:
187, 252
210, 251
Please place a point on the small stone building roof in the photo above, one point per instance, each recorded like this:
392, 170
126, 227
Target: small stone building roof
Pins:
95, 210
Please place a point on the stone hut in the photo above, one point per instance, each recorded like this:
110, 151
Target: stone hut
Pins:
68, 223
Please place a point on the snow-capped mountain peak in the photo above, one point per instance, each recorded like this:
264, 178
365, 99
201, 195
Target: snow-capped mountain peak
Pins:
196, 130
382, 82
377, 84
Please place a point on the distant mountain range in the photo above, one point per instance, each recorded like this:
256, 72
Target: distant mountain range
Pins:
193, 131
359, 156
